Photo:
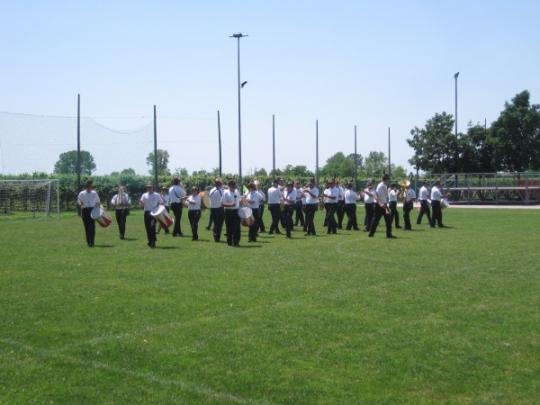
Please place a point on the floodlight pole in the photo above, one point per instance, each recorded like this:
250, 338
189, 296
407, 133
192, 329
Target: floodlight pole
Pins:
238, 36
156, 185
78, 149
355, 161
389, 156
273, 143
219, 143
317, 151
456, 102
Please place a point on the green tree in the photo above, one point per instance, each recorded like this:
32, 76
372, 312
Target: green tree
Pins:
515, 136
128, 172
375, 165
338, 166
162, 162
67, 163
296, 172
260, 173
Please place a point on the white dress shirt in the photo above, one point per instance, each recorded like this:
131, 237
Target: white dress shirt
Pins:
381, 193
231, 197
350, 197
88, 199
369, 199
194, 202
274, 195
410, 195
263, 196
165, 199
341, 193
215, 197
176, 193
423, 193
121, 202
289, 196
392, 195
309, 199
436, 194
254, 198
150, 201
330, 192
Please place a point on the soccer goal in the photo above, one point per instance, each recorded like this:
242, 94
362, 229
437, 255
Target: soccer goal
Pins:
33, 198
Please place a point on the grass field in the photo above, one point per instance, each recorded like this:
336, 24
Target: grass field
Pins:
448, 315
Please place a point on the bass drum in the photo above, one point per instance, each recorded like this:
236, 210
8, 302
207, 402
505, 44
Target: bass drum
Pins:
205, 199
246, 216
162, 216
101, 216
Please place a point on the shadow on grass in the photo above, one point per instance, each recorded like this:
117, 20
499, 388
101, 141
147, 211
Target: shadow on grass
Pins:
129, 239
103, 246
167, 247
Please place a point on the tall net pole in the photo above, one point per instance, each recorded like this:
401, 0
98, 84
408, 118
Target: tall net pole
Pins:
156, 185
317, 151
78, 149
219, 143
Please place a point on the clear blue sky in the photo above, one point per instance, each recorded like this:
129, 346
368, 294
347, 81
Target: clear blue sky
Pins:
373, 64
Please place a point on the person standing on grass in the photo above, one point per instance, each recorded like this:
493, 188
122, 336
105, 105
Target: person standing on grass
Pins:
423, 196
88, 200
392, 199
408, 200
350, 207
340, 207
121, 203
289, 199
262, 228
194, 212
436, 196
150, 201
177, 195
311, 193
381, 209
216, 210
369, 204
231, 202
164, 194
330, 194
298, 212
253, 200
274, 206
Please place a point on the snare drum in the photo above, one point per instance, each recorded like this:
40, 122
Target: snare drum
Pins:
246, 216
205, 199
444, 203
101, 216
162, 216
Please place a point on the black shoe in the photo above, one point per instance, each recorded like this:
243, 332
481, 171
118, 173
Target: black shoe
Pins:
398, 227
370, 235
391, 237
207, 228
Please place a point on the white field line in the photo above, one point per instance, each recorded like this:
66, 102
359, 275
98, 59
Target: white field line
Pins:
148, 376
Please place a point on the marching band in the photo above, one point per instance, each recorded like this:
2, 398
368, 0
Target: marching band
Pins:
227, 205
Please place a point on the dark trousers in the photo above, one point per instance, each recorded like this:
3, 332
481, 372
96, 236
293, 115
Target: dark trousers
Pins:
407, 208
352, 223
275, 211
261, 219
368, 218
121, 221
330, 219
310, 218
254, 228
177, 211
394, 212
424, 209
232, 225
437, 214
299, 214
219, 216
287, 217
89, 226
340, 211
150, 225
381, 212
210, 218
194, 216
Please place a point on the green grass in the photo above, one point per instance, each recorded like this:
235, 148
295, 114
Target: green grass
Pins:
446, 315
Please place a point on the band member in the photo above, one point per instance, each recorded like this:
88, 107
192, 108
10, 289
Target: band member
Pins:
340, 207
436, 196
150, 201
176, 195
298, 213
121, 203
88, 199
289, 198
194, 212
392, 200
231, 202
350, 207
330, 194
274, 201
165, 201
369, 204
252, 199
311, 193
262, 228
408, 201
423, 196
381, 208
216, 210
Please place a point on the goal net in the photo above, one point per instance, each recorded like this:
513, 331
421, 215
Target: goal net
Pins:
32, 198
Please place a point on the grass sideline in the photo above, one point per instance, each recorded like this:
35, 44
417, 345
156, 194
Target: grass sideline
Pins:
446, 315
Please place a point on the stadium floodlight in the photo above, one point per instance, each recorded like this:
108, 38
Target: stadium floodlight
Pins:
238, 36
